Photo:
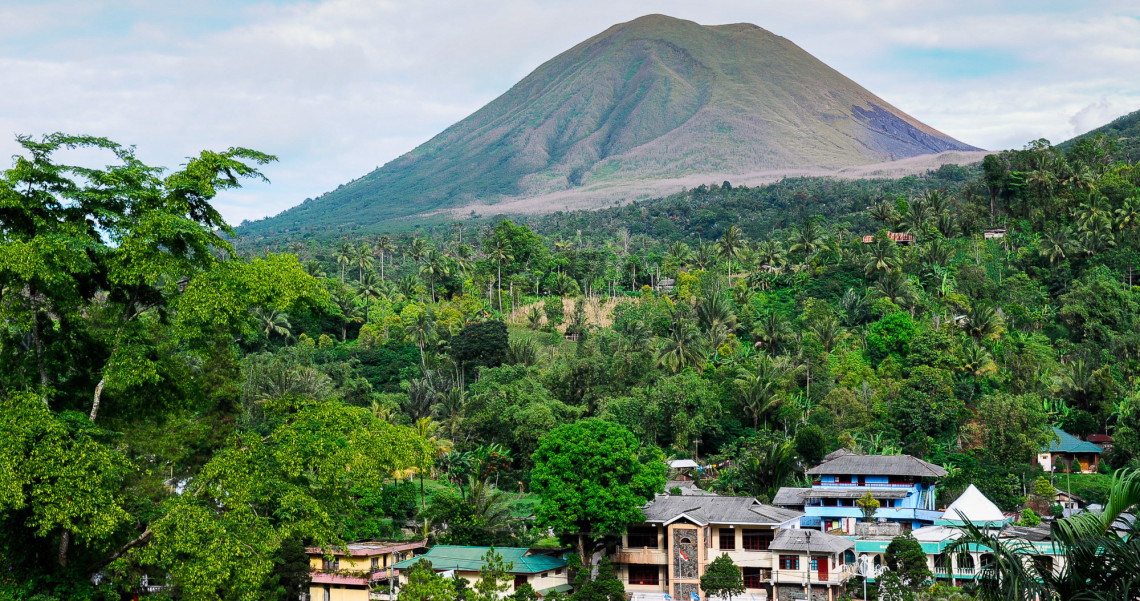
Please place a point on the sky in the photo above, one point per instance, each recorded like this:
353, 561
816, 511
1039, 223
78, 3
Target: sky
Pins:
335, 88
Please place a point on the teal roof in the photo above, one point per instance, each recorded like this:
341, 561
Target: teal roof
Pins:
1071, 444
470, 559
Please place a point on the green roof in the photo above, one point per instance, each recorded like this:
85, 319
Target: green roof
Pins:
470, 559
1068, 443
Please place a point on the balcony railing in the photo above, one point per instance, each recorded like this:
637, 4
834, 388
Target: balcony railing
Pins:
641, 555
866, 484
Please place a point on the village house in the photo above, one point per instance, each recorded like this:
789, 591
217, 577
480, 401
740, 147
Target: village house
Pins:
975, 508
682, 534
903, 485
900, 238
338, 575
1069, 453
544, 572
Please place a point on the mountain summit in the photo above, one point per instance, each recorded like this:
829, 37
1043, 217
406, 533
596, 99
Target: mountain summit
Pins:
656, 98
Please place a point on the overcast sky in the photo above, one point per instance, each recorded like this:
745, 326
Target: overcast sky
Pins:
336, 88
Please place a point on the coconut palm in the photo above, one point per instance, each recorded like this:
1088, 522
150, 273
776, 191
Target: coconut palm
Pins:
370, 287
704, 256
884, 211
417, 249
771, 330
363, 260
344, 257
729, 246
678, 256
272, 321
828, 331
435, 266
1128, 215
808, 239
682, 348
895, 287
758, 389
1055, 244
500, 251
429, 430
770, 253
715, 310
884, 256
984, 322
385, 247
421, 331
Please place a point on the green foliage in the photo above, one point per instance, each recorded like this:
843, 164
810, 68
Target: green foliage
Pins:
890, 336
554, 311
904, 556
592, 477
604, 585
722, 578
480, 344
425, 585
809, 443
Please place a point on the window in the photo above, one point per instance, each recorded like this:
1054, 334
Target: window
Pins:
375, 563
862, 480
753, 577
544, 574
757, 540
520, 579
330, 566
558, 572
644, 574
789, 562
328, 593
727, 539
642, 537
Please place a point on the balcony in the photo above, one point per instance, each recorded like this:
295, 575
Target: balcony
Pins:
642, 555
958, 573
865, 485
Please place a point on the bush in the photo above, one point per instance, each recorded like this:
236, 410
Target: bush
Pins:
554, 312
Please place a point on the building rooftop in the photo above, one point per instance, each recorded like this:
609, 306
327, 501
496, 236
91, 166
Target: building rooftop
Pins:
1067, 443
369, 548
796, 540
788, 495
703, 510
688, 488
974, 507
470, 559
878, 465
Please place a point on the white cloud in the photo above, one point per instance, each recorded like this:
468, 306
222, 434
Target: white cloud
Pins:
338, 87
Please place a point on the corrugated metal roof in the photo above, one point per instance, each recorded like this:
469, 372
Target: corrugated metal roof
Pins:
788, 495
878, 465
1067, 443
715, 509
798, 540
470, 559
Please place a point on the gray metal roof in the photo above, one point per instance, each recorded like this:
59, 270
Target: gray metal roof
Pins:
797, 540
688, 488
788, 495
878, 465
715, 509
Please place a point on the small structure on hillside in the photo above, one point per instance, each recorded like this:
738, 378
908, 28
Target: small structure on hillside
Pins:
993, 233
1069, 453
901, 238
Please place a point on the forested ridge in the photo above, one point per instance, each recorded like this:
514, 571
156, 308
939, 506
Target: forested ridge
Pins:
177, 407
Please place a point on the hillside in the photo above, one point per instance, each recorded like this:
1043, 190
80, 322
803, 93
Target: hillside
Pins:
1125, 130
653, 99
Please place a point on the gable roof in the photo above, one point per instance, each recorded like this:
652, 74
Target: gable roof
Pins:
704, 510
1067, 443
788, 495
974, 507
796, 539
878, 465
470, 559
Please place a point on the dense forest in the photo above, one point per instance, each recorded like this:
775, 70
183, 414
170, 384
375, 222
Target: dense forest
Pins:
176, 403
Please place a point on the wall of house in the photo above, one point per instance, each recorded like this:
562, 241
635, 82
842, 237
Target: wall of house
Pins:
334, 592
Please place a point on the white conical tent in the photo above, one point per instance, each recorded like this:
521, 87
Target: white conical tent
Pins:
973, 506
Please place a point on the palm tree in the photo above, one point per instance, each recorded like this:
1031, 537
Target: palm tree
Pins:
500, 251
765, 470
771, 253
421, 331
715, 310
428, 429
884, 211
683, 348
984, 322
828, 331
947, 224
977, 361
370, 288
809, 239
408, 286
1055, 243
678, 256
895, 287
1100, 563
884, 256
349, 311
759, 390
435, 266
772, 329
363, 260
272, 321
344, 257
417, 249
384, 246
729, 246
1128, 215
534, 317
704, 256
1077, 380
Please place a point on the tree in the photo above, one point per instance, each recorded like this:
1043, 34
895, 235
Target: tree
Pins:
478, 515
481, 344
1015, 428
425, 585
722, 578
904, 556
494, 578
809, 443
869, 504
592, 478
604, 585
683, 348
729, 246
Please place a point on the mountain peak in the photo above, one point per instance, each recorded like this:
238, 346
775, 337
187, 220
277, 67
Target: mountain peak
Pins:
655, 98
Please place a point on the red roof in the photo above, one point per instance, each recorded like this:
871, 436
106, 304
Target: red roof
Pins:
1098, 438
896, 236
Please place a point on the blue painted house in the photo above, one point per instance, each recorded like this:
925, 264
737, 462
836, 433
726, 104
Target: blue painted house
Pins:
903, 485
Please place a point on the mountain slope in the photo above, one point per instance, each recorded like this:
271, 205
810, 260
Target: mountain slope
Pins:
1125, 130
655, 98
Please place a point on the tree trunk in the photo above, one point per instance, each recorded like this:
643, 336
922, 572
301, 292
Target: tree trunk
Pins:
381, 266
98, 398
64, 542
39, 343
